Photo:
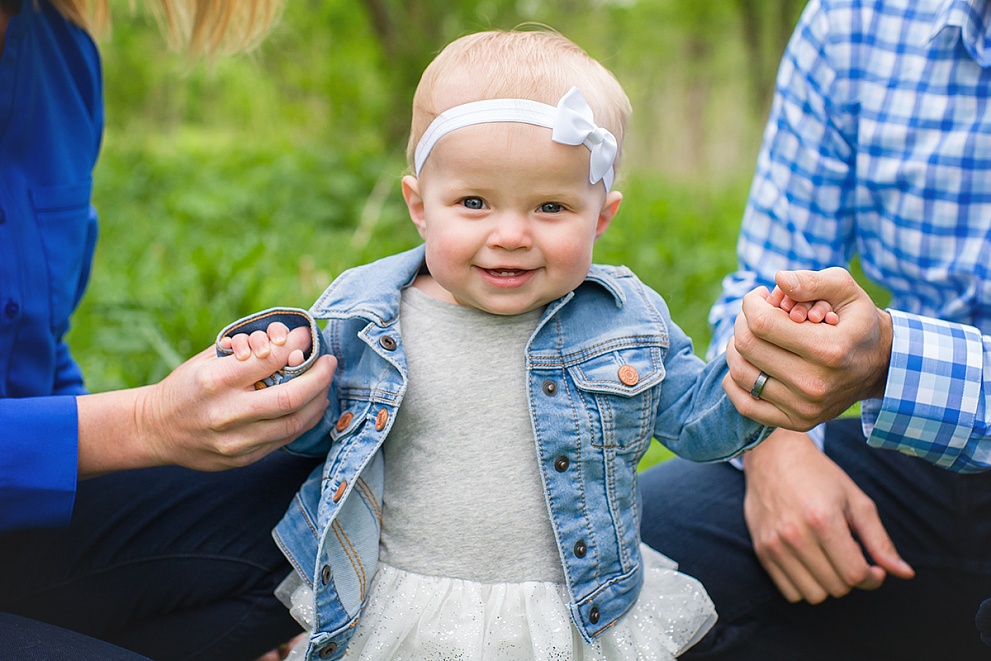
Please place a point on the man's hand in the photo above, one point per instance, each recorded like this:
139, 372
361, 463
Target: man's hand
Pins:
816, 370
811, 524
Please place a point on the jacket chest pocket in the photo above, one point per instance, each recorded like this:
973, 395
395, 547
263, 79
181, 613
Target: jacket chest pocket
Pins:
619, 390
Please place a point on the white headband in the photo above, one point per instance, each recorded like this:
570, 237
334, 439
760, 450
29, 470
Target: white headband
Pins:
571, 121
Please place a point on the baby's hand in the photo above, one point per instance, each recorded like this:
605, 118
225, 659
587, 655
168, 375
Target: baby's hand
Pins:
259, 343
815, 312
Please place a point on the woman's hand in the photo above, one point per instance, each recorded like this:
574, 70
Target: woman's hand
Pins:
206, 414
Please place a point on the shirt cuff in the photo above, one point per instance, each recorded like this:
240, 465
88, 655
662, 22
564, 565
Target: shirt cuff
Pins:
39, 461
932, 392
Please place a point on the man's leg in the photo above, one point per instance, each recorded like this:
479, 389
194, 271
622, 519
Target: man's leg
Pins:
171, 563
939, 521
24, 639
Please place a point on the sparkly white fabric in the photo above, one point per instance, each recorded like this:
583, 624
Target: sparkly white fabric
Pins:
412, 617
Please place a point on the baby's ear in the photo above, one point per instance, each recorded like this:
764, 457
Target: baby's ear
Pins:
608, 211
414, 202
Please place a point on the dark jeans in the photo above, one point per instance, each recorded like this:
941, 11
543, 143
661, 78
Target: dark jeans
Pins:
940, 522
22, 639
168, 562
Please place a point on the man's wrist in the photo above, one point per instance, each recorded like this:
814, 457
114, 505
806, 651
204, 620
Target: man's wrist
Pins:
779, 440
885, 343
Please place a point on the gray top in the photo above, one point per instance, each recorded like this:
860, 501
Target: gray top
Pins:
463, 497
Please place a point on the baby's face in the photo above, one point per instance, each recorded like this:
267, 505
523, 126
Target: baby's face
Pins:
508, 216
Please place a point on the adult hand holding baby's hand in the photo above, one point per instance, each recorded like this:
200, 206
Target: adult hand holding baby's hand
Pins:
816, 370
207, 414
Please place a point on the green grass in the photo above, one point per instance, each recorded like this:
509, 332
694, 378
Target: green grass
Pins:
200, 228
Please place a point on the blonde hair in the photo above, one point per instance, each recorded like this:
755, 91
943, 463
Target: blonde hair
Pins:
202, 27
539, 65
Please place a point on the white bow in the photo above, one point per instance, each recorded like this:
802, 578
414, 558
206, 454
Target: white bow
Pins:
571, 122
575, 125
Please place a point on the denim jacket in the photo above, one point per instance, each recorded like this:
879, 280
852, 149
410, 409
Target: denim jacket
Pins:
607, 370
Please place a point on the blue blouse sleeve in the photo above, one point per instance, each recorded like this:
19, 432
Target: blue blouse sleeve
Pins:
51, 125
39, 461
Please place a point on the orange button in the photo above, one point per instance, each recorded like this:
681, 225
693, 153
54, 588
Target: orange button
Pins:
381, 419
344, 421
341, 488
628, 375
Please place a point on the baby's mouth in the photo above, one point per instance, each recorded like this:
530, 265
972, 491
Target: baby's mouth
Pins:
506, 273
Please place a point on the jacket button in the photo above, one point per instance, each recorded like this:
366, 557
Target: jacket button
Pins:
381, 419
549, 388
561, 464
628, 375
12, 308
387, 343
593, 615
341, 488
328, 650
325, 574
580, 548
344, 421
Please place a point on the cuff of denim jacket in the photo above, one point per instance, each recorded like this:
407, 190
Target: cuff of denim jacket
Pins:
293, 318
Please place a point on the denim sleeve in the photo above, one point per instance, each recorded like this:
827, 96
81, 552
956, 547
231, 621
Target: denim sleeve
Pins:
316, 441
293, 318
39, 448
695, 418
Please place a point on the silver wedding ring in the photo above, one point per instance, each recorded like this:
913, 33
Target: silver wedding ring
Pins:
759, 385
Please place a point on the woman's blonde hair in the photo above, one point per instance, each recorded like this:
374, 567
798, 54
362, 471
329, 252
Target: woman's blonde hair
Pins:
203, 27
539, 65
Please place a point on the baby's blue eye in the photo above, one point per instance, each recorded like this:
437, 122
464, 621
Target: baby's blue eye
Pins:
473, 203
551, 207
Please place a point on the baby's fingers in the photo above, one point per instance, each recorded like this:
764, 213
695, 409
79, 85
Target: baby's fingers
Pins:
278, 333
260, 343
823, 311
239, 345
797, 311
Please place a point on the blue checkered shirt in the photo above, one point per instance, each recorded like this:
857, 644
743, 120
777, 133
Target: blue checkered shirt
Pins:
879, 144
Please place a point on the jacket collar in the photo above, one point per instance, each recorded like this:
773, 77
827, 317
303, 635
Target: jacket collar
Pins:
370, 291
971, 18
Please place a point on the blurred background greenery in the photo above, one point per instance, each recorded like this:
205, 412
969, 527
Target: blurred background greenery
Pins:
251, 182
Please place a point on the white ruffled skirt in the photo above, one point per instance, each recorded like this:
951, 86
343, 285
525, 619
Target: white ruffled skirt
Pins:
412, 617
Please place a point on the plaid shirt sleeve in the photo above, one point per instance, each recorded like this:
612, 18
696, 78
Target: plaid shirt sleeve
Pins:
934, 403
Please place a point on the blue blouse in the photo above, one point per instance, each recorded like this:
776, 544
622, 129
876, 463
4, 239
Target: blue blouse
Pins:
51, 123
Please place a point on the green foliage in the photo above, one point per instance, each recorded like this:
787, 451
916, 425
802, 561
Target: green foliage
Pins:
197, 231
679, 238
231, 186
